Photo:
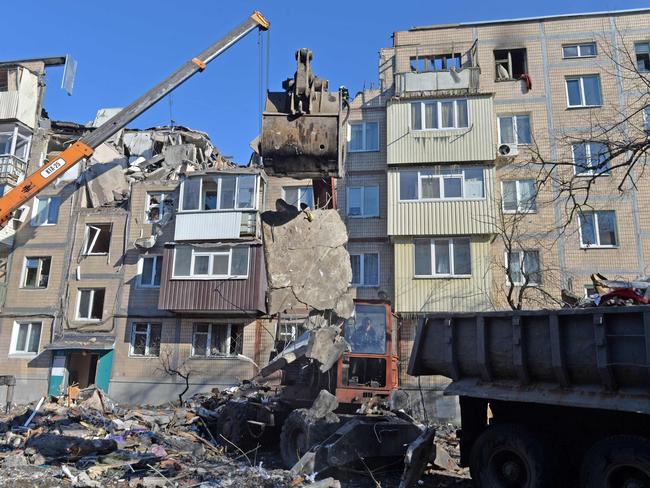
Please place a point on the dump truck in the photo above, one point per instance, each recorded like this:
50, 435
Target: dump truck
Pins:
547, 398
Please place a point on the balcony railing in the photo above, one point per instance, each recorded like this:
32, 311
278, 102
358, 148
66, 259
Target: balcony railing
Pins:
12, 169
216, 225
466, 79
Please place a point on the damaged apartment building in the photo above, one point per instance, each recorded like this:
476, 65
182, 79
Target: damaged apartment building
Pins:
142, 260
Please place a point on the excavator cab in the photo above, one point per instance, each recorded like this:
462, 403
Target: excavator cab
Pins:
302, 127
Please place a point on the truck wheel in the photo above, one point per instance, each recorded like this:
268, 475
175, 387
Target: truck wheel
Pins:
300, 432
233, 425
507, 455
617, 462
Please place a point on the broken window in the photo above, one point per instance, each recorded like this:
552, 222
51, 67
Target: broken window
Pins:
363, 201
159, 205
98, 238
439, 114
583, 91
510, 64
290, 327
442, 184
364, 136
514, 129
296, 195
519, 196
90, 303
523, 268
443, 257
642, 51
26, 337
4, 80
217, 340
365, 269
8, 79
145, 339
439, 62
583, 50
211, 263
590, 158
37, 272
150, 270
45, 211
598, 229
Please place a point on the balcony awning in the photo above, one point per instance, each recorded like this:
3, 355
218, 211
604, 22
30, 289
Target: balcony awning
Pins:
93, 342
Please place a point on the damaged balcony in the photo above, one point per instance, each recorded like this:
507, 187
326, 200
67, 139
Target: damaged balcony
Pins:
19, 94
15, 141
445, 72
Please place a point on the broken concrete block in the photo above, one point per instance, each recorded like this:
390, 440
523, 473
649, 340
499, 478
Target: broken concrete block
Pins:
325, 403
177, 155
105, 175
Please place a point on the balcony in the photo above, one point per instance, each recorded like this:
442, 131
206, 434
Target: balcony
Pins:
466, 79
215, 225
19, 100
12, 170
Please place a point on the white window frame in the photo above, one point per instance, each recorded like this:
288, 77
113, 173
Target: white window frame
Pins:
583, 103
301, 190
438, 104
91, 302
514, 118
89, 245
14, 339
520, 253
219, 178
39, 272
579, 48
520, 207
636, 63
363, 214
603, 172
161, 206
229, 276
422, 174
211, 326
156, 258
15, 135
35, 211
452, 265
362, 263
364, 145
598, 245
147, 345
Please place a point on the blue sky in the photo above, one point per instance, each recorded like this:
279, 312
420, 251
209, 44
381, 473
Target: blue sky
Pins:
125, 47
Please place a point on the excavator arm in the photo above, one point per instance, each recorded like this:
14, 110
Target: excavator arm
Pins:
85, 147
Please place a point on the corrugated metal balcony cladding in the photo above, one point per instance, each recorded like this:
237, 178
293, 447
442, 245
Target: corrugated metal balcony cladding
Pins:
228, 296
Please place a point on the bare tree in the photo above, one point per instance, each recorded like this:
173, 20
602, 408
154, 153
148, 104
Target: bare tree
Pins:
168, 366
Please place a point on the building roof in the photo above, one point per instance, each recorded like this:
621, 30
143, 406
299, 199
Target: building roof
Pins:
52, 61
531, 19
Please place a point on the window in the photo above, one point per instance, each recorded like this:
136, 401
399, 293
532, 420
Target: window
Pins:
90, 303
149, 271
98, 239
296, 195
214, 340
584, 50
642, 51
439, 114
441, 184
598, 229
523, 268
442, 257
584, 91
514, 129
218, 192
439, 62
159, 205
646, 119
590, 158
13, 142
363, 201
211, 262
510, 64
36, 273
25, 338
145, 339
45, 211
364, 137
290, 327
365, 269
519, 196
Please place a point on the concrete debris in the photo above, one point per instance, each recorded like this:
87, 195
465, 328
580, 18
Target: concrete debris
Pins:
324, 404
611, 293
104, 177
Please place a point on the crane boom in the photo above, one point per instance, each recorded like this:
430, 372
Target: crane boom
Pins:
85, 147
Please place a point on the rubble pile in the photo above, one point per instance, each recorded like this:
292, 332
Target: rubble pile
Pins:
612, 293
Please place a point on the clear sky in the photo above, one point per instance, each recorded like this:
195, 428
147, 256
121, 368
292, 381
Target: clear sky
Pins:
125, 47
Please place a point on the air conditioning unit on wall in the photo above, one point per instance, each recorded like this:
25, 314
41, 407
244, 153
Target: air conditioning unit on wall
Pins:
507, 150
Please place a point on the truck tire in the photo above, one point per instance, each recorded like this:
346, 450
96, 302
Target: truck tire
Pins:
507, 455
620, 461
233, 425
301, 432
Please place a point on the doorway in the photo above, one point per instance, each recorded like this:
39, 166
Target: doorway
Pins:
82, 368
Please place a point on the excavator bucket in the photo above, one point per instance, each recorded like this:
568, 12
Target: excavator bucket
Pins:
302, 127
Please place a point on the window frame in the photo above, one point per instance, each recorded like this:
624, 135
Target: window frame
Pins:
598, 245
49, 202
515, 131
91, 303
646, 118
13, 352
591, 172
510, 68
636, 59
441, 177
579, 46
583, 98
209, 276
522, 255
519, 210
157, 258
362, 265
301, 190
88, 245
161, 207
14, 135
229, 337
452, 265
438, 103
364, 138
219, 177
363, 214
39, 273
147, 346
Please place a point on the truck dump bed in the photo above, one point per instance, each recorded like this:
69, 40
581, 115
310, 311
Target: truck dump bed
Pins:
592, 358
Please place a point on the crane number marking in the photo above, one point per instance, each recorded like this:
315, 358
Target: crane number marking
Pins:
51, 169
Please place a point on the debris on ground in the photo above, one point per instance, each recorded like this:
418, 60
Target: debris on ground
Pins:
611, 293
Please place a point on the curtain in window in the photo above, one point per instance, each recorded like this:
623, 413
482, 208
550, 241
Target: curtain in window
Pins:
474, 183
607, 228
441, 252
